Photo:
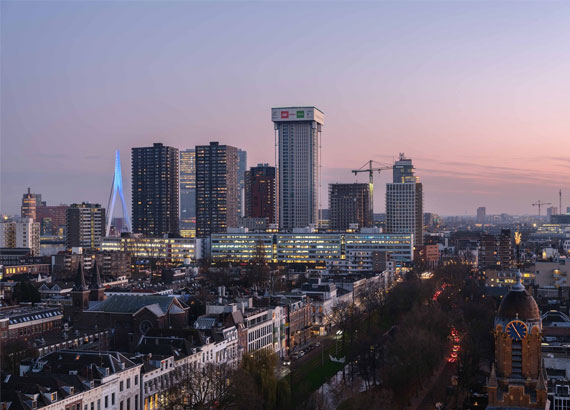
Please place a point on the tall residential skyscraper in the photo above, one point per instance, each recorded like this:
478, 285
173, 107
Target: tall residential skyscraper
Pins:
188, 189
242, 168
404, 201
298, 131
85, 225
21, 234
349, 204
155, 190
496, 250
260, 193
481, 214
30, 203
216, 188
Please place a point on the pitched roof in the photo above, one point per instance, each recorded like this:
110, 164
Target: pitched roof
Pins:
205, 322
88, 364
133, 303
19, 391
177, 347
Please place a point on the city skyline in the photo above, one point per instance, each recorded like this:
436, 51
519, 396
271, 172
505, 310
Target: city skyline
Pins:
481, 112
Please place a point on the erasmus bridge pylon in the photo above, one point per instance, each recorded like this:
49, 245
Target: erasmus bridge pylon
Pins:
117, 188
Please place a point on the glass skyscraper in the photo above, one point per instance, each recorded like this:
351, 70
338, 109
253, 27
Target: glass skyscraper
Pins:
188, 190
242, 168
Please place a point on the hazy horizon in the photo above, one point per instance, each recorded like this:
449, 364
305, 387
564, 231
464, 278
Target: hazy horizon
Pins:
475, 93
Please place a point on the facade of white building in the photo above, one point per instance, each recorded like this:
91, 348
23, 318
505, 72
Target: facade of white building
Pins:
404, 201
21, 234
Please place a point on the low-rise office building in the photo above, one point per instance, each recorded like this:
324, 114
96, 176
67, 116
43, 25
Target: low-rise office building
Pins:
172, 250
42, 269
352, 252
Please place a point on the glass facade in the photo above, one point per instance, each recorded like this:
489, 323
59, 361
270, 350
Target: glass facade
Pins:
351, 252
174, 250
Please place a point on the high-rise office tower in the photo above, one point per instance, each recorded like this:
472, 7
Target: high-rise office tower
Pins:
21, 234
188, 189
404, 201
481, 214
216, 188
349, 204
30, 203
155, 190
242, 168
298, 131
85, 225
260, 193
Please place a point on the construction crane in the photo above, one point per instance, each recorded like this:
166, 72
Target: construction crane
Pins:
370, 168
540, 204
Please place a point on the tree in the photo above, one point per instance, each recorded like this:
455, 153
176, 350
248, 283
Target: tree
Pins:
255, 385
258, 272
26, 292
340, 318
346, 316
372, 298
196, 387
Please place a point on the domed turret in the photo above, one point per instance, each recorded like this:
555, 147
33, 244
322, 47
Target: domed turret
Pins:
518, 304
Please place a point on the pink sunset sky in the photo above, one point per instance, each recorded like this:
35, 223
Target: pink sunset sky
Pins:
476, 93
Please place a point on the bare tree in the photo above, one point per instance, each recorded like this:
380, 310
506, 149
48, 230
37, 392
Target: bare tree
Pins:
372, 298
258, 272
199, 387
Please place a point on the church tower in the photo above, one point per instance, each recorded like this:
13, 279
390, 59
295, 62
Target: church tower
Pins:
96, 288
517, 377
80, 291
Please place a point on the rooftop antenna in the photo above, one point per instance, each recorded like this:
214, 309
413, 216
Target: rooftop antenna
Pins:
117, 187
560, 202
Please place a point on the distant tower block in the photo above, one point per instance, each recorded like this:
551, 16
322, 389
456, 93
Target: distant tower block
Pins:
117, 187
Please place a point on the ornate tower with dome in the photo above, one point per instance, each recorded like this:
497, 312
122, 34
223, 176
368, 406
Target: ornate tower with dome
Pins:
517, 379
